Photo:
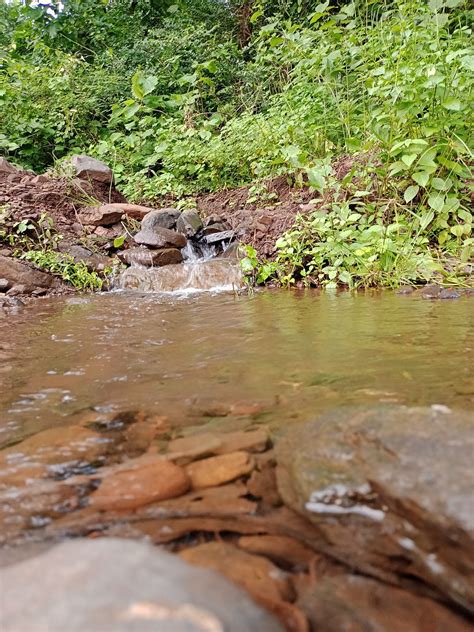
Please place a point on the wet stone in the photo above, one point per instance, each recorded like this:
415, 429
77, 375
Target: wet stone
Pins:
219, 469
216, 238
145, 257
141, 484
391, 489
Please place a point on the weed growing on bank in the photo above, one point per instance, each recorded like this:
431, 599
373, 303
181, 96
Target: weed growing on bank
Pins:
37, 243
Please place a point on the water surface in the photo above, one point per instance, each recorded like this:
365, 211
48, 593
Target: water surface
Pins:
295, 354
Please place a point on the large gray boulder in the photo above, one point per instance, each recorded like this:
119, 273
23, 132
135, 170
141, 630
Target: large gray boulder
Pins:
88, 168
154, 235
112, 585
391, 491
189, 223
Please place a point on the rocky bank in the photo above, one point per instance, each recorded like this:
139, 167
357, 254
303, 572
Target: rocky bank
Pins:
358, 520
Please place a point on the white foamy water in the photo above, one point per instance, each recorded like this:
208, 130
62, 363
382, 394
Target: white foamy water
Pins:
212, 275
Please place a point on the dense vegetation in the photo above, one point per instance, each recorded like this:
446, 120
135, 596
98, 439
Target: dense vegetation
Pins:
187, 96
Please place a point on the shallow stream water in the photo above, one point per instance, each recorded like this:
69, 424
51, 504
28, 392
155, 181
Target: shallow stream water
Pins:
293, 353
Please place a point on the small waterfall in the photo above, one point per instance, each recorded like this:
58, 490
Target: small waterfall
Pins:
197, 252
201, 271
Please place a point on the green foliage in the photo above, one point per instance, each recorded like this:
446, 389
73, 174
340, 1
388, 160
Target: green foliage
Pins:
37, 242
65, 267
163, 91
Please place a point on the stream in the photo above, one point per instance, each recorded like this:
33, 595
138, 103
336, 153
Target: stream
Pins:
294, 353
253, 434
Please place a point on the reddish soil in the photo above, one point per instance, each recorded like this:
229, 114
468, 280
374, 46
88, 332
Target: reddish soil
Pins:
26, 196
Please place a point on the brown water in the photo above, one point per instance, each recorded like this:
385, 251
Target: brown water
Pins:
295, 354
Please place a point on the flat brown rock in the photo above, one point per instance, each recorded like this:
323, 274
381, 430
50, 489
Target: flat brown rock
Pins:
145, 257
279, 548
18, 273
217, 443
254, 573
132, 488
219, 469
105, 215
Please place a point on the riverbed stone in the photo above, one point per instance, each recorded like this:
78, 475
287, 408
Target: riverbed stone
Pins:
19, 273
189, 223
113, 585
359, 604
141, 484
143, 256
4, 285
88, 168
219, 469
253, 572
390, 490
154, 235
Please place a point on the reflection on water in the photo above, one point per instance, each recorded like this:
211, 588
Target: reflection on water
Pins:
296, 354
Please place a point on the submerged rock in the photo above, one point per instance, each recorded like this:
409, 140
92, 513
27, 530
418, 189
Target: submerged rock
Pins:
140, 484
390, 490
208, 275
113, 585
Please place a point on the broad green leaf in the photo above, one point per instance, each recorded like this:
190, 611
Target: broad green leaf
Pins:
421, 178
426, 219
468, 62
410, 193
436, 202
457, 230
409, 159
119, 241
441, 184
143, 84
427, 158
453, 104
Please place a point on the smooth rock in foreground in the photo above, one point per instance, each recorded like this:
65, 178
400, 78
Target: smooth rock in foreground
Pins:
113, 585
359, 604
390, 490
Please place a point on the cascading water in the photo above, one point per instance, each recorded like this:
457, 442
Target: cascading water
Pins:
200, 271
